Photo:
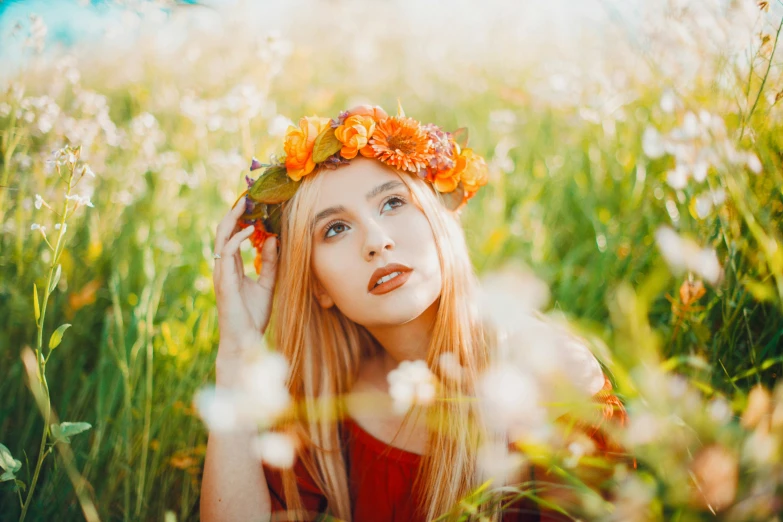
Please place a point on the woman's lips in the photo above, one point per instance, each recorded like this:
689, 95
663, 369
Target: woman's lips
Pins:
392, 283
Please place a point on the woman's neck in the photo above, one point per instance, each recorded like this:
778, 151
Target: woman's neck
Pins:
409, 341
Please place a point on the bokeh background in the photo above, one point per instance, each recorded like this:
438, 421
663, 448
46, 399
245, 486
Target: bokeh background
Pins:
635, 156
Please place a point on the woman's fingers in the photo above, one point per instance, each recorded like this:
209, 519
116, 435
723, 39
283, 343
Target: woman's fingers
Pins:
269, 256
231, 248
227, 225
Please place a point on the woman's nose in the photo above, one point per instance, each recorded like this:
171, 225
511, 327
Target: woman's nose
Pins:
376, 241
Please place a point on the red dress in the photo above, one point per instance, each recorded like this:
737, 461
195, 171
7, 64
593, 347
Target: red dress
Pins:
381, 476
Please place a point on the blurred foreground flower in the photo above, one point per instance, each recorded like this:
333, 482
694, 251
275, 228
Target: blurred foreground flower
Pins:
275, 449
259, 397
684, 254
410, 383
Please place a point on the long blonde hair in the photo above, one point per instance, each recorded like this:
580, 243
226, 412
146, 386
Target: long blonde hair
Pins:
324, 349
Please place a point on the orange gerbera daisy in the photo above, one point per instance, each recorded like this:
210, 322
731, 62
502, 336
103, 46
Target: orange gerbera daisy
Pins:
402, 143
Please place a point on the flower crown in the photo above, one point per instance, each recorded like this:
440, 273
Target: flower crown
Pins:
440, 157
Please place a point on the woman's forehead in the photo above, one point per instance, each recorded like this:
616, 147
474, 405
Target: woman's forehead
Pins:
353, 182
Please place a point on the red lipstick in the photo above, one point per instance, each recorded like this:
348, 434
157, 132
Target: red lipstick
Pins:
404, 272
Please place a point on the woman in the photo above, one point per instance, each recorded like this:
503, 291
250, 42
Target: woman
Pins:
373, 270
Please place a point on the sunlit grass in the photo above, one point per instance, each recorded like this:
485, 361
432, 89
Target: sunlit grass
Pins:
573, 194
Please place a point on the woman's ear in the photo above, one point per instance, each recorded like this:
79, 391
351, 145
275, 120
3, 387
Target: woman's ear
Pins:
323, 298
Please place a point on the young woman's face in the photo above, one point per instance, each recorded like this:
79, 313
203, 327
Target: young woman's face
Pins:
368, 227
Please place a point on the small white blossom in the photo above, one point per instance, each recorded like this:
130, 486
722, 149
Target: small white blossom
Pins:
652, 143
275, 449
64, 227
683, 255
38, 201
411, 382
754, 164
85, 169
496, 462
509, 399
80, 200
677, 178
668, 102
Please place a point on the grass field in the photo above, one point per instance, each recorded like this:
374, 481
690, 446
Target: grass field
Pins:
598, 148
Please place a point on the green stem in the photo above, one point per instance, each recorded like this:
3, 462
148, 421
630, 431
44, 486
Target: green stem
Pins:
42, 362
746, 119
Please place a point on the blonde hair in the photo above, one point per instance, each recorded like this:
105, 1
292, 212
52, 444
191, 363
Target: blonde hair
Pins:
324, 349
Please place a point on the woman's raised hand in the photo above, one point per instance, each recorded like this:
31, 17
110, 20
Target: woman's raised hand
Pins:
244, 304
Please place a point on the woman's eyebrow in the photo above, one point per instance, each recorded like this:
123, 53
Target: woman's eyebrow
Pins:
327, 212
389, 185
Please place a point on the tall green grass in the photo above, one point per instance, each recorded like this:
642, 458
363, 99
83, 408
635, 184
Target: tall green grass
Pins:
574, 198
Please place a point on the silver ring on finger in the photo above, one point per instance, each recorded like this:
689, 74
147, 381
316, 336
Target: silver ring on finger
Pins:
215, 255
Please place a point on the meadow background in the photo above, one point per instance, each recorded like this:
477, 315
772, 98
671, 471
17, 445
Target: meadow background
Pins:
635, 154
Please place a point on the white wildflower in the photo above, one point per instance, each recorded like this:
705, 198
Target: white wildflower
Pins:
36, 226
509, 399
80, 200
411, 382
64, 227
275, 449
703, 205
668, 101
38, 201
264, 382
218, 408
754, 164
450, 366
642, 429
684, 254
652, 143
510, 293
85, 169
496, 462
677, 178
719, 410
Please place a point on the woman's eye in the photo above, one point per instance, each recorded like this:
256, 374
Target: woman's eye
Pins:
393, 203
336, 228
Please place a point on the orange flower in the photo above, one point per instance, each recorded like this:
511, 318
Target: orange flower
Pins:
298, 145
446, 180
354, 133
402, 143
475, 172
257, 239
373, 111
469, 168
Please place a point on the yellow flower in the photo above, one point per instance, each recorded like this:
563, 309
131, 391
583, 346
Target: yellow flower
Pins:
354, 135
469, 168
298, 145
474, 172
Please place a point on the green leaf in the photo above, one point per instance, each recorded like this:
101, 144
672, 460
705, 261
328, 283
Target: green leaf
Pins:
272, 223
452, 200
56, 278
65, 430
35, 303
8, 462
259, 211
57, 336
273, 186
19, 485
325, 145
